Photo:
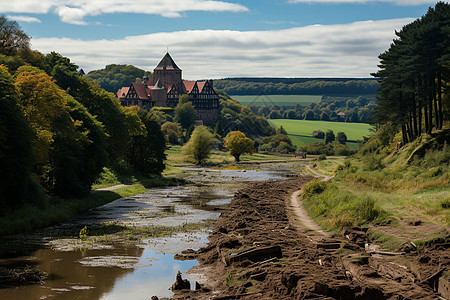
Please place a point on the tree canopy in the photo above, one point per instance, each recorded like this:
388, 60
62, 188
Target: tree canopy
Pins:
238, 144
12, 38
185, 112
58, 129
296, 86
113, 76
341, 137
200, 144
413, 75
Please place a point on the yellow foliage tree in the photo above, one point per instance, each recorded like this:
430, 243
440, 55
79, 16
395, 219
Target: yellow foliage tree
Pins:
42, 102
238, 144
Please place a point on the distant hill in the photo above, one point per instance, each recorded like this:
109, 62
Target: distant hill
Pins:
297, 86
113, 77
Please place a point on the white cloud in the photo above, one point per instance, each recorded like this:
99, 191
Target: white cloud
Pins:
343, 50
74, 11
397, 2
24, 19
28, 6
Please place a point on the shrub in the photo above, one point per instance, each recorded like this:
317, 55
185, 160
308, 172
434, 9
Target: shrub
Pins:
313, 187
372, 162
343, 150
364, 209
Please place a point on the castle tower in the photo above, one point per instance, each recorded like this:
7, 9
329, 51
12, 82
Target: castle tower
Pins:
159, 94
168, 73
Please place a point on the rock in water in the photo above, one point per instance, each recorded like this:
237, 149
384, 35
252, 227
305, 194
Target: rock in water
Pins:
181, 284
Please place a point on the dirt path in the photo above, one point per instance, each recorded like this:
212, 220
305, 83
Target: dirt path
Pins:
258, 251
296, 204
324, 177
301, 215
112, 188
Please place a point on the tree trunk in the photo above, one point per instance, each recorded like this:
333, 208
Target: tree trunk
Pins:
404, 134
237, 157
430, 107
436, 111
411, 128
441, 114
425, 112
414, 117
420, 118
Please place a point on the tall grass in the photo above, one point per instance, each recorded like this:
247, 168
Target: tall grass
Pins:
335, 208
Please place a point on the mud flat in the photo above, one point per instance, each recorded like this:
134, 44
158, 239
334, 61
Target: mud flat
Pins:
258, 250
128, 249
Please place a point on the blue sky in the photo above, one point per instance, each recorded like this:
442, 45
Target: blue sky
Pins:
215, 39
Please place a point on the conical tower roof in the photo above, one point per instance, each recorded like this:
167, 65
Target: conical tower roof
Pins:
158, 85
167, 63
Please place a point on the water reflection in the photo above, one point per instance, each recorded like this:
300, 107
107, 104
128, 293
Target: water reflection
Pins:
118, 271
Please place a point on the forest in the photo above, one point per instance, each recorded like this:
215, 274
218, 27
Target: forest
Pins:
297, 86
59, 129
413, 73
114, 77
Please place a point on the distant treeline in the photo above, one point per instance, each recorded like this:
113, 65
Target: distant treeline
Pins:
297, 86
330, 108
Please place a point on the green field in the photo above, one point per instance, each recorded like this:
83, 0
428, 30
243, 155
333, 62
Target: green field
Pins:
269, 100
300, 131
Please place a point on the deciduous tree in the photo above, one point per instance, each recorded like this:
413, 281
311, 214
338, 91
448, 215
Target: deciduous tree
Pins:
16, 153
12, 38
185, 112
341, 138
200, 144
238, 144
329, 136
145, 151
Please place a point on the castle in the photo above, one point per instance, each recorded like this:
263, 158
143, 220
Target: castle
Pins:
165, 88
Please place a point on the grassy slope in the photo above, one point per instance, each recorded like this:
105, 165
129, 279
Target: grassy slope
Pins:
400, 191
269, 100
300, 131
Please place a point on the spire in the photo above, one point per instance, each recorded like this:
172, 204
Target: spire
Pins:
158, 85
167, 63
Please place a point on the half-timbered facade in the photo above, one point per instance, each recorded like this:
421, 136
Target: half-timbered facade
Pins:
166, 87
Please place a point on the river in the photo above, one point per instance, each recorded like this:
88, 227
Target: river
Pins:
117, 266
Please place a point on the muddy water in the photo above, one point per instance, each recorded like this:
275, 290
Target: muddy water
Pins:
110, 269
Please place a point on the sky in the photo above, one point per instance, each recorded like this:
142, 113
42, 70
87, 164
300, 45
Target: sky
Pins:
211, 39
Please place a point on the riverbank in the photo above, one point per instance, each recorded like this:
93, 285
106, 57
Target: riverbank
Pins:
29, 218
57, 210
258, 249
131, 241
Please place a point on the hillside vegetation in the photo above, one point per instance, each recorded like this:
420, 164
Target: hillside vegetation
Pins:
398, 184
59, 131
270, 100
114, 77
296, 86
389, 187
